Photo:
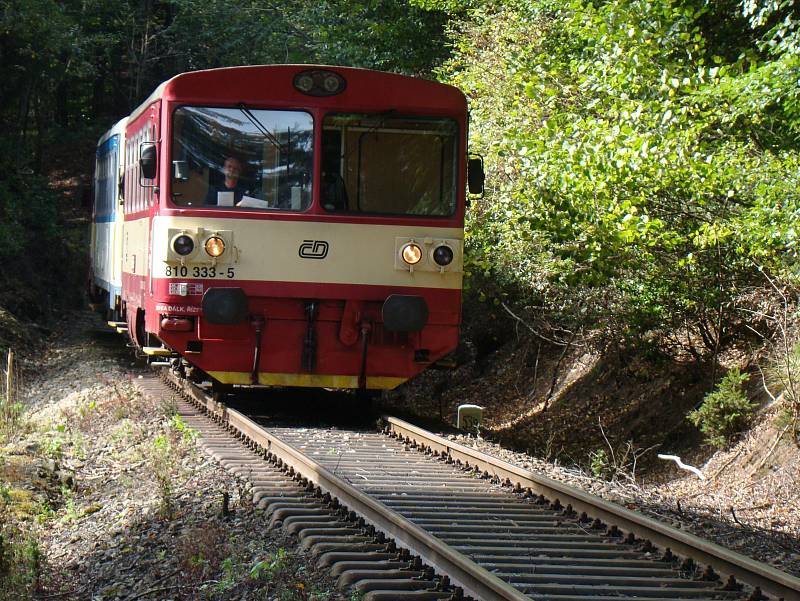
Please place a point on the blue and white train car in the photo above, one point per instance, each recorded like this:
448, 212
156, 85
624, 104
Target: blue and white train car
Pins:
107, 220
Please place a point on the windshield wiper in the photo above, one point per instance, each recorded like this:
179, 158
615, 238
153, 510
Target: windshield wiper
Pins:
259, 126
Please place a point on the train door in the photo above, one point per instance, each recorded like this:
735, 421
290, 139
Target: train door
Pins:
140, 186
152, 211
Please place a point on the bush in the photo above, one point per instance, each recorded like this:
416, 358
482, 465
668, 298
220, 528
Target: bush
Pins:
638, 174
724, 412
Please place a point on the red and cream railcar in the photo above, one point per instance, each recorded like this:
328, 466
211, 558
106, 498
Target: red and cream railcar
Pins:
296, 225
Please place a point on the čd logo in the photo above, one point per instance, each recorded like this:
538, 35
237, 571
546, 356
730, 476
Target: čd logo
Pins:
313, 249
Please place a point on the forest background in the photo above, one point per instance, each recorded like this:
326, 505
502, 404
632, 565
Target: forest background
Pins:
642, 156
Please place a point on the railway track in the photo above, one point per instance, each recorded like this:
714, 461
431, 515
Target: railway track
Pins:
405, 514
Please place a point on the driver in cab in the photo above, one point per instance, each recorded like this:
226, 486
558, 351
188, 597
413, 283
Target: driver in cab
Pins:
231, 191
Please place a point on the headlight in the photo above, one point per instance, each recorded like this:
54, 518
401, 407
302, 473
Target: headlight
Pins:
443, 255
183, 245
304, 82
411, 253
215, 246
331, 83
319, 82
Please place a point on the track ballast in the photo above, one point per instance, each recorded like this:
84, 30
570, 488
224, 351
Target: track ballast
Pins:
406, 515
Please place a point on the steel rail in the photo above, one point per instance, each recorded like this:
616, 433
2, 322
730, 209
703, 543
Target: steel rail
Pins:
728, 563
474, 579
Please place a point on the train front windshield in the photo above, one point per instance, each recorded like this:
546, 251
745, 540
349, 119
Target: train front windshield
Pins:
242, 158
389, 164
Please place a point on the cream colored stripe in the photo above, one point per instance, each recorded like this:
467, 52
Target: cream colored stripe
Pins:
357, 253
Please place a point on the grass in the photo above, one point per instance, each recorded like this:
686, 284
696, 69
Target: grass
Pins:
161, 461
20, 556
218, 566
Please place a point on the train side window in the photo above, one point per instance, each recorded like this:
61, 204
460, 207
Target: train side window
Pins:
105, 187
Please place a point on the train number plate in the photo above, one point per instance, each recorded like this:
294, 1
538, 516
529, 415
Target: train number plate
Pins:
198, 271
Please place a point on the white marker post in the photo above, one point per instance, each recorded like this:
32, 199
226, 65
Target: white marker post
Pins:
469, 418
9, 376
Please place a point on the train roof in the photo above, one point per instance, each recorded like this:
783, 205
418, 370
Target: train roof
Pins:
247, 84
117, 128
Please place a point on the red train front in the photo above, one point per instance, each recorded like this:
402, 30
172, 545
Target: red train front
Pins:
296, 225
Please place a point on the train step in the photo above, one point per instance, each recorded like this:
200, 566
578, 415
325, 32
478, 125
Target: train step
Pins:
118, 324
122, 330
157, 351
445, 363
160, 363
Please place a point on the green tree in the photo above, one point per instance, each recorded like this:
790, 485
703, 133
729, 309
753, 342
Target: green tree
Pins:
636, 188
70, 68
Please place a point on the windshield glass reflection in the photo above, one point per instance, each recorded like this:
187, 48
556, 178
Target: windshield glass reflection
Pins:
240, 157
